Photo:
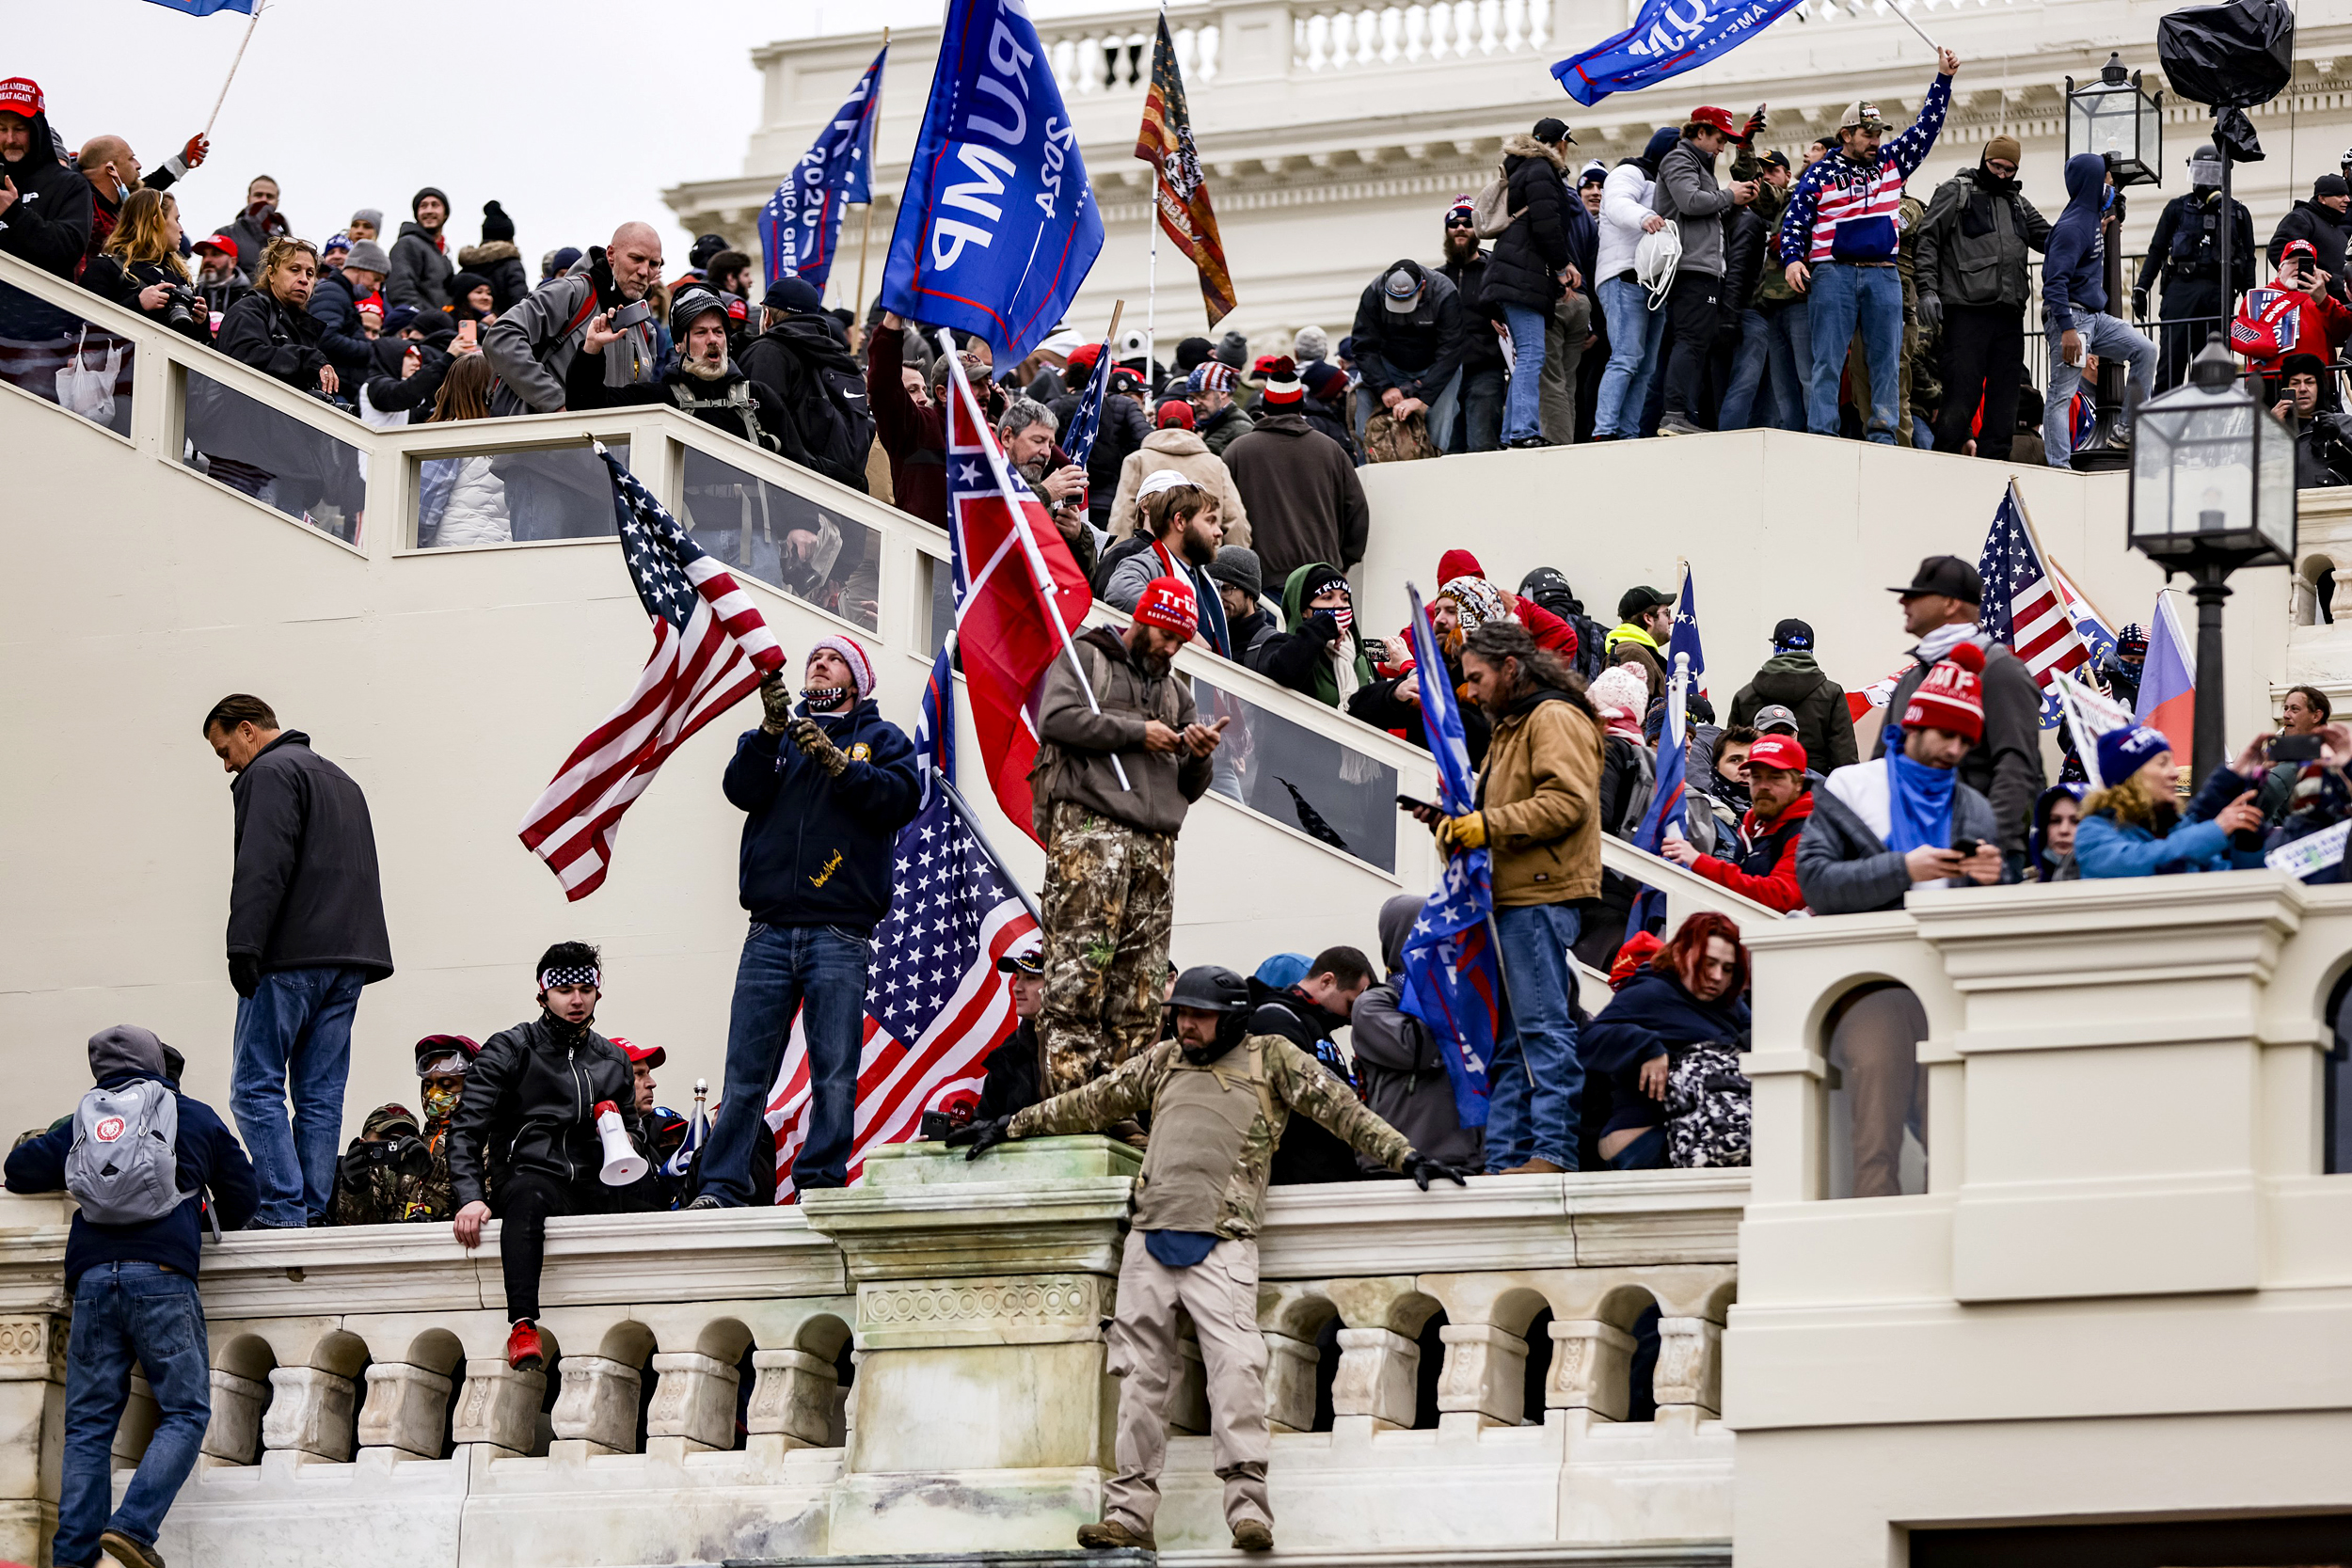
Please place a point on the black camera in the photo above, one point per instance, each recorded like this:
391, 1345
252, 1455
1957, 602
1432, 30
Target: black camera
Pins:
405, 1154
180, 304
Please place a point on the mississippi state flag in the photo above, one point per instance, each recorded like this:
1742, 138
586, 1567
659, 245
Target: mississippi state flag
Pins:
1019, 595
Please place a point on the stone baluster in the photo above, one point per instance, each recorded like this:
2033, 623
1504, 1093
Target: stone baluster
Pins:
310, 1415
1290, 1381
1483, 1382
1377, 1383
498, 1408
1592, 1366
694, 1403
407, 1410
793, 1398
1689, 1367
234, 1434
596, 1408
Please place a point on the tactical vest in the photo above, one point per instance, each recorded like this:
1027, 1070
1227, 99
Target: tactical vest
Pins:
1200, 1123
736, 406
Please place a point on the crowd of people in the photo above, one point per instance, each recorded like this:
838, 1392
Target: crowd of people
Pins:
1220, 503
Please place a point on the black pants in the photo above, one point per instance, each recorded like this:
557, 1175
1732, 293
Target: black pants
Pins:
2191, 310
526, 1200
1984, 346
1692, 306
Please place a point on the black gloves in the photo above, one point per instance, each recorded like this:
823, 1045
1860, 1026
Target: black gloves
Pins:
1423, 1170
244, 973
1322, 626
982, 1135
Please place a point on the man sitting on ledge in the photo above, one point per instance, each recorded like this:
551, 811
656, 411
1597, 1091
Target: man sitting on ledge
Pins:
1218, 1102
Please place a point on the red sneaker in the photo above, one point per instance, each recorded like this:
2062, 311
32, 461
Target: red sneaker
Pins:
523, 1351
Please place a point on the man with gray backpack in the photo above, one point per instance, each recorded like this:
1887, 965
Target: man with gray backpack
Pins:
141, 1160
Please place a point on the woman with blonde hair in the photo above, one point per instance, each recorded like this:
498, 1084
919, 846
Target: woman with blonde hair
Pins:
140, 268
271, 328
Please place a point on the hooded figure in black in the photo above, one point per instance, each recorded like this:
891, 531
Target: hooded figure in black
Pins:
45, 207
802, 360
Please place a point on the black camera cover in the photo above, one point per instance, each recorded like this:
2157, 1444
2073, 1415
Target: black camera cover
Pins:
2232, 57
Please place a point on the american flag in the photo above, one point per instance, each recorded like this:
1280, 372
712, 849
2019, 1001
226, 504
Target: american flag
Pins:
1087, 419
709, 648
935, 1004
2024, 607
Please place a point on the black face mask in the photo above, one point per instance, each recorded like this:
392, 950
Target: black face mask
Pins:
825, 699
570, 1034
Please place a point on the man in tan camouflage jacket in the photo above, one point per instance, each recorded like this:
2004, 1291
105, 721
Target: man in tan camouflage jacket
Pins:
1220, 1098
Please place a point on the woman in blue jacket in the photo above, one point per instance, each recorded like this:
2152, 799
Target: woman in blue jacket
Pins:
2133, 828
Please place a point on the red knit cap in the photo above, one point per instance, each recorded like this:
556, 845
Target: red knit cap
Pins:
1458, 564
1168, 603
1952, 696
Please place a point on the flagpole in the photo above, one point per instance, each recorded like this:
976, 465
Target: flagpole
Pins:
254, 23
1899, 10
865, 240
1048, 589
972, 825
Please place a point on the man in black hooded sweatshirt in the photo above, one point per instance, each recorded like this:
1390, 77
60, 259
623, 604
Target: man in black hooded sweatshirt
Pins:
801, 357
44, 205
1307, 1015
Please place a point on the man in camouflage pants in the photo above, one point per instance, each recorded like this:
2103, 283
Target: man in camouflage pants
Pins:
1111, 788
1220, 1098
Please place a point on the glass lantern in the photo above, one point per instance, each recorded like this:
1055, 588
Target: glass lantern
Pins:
2114, 117
2213, 474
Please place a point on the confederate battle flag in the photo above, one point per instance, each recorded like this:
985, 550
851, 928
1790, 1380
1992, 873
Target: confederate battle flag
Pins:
1182, 193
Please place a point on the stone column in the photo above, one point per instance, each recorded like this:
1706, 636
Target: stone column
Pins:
32, 1417
1377, 1383
500, 1406
234, 1435
1483, 1382
309, 1414
598, 1405
792, 1402
1689, 1366
407, 1410
1592, 1364
984, 1416
693, 1401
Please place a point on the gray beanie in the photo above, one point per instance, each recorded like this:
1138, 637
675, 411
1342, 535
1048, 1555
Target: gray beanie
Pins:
368, 257
371, 216
1312, 344
1234, 350
1239, 567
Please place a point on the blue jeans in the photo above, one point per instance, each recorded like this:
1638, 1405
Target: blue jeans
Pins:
1480, 425
1522, 411
127, 1314
2107, 338
819, 971
1634, 330
294, 1037
1841, 298
1748, 365
1536, 1120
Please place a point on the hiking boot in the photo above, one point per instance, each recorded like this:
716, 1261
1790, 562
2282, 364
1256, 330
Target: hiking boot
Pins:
704, 1201
1111, 1536
524, 1353
128, 1550
1679, 424
1253, 1535
1536, 1166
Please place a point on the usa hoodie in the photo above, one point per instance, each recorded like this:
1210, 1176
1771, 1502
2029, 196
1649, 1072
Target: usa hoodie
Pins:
1844, 211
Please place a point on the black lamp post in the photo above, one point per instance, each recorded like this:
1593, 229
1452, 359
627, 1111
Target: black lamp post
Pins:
2116, 119
2212, 489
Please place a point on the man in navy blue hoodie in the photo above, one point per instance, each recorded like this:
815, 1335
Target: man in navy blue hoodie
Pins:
825, 813
135, 1304
2074, 303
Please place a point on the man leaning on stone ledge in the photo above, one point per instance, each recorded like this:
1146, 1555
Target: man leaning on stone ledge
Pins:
1220, 1098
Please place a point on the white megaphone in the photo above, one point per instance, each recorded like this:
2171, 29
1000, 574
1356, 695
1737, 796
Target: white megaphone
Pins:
622, 1164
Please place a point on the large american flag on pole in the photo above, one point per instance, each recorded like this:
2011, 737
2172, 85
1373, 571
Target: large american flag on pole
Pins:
709, 648
2024, 607
935, 1004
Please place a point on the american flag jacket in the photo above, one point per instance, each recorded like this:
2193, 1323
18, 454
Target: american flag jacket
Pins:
1841, 211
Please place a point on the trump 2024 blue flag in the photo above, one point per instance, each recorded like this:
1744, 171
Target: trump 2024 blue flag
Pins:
206, 7
998, 226
800, 226
1452, 979
1667, 39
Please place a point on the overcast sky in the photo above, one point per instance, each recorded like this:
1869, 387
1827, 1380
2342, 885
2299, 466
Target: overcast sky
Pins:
573, 115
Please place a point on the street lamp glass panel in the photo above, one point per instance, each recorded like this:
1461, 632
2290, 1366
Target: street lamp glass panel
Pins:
2211, 469
2150, 154
2104, 119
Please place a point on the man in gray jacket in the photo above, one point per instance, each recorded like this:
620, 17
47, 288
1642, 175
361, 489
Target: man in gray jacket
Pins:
1112, 782
1687, 193
1404, 1079
569, 345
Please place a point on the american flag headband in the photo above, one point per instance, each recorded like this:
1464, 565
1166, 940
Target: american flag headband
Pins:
577, 975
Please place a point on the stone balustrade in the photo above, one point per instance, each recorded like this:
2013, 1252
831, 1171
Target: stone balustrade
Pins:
1454, 1372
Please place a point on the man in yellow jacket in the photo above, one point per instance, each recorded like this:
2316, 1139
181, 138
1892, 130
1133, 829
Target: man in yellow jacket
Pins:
1537, 815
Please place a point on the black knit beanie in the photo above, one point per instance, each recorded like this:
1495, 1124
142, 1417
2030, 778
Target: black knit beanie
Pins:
496, 225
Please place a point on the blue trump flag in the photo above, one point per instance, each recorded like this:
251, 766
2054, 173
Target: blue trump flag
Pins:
1666, 802
1667, 39
800, 226
1452, 978
1686, 634
998, 226
205, 8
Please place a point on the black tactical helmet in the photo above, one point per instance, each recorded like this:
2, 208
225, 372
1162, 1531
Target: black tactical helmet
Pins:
1211, 988
692, 303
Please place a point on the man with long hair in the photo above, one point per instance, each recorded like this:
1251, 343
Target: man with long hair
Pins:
1536, 814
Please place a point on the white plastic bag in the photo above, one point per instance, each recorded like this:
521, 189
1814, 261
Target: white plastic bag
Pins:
1655, 259
87, 392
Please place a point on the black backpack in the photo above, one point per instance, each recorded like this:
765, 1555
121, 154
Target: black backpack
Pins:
838, 429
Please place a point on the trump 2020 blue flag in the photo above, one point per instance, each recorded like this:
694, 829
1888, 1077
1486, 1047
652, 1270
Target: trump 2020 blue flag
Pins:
1666, 802
1453, 978
206, 7
1667, 39
998, 226
800, 226
1686, 634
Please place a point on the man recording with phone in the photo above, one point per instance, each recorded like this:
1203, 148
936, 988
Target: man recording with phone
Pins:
585, 340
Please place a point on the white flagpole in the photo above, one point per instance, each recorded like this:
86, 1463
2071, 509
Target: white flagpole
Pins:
249, 25
1902, 9
1048, 589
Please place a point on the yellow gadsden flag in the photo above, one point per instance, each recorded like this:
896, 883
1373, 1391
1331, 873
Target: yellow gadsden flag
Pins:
1180, 193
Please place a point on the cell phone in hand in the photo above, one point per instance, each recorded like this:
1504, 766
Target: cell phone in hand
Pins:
2294, 748
465, 333
1965, 848
1406, 802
